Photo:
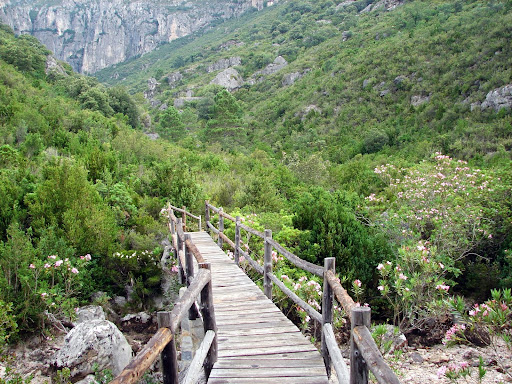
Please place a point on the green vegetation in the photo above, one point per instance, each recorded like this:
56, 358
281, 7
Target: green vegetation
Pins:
373, 154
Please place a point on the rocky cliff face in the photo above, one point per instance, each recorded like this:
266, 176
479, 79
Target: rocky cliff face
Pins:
93, 34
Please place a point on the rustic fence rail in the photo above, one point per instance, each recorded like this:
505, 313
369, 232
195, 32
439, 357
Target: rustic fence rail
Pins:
199, 289
364, 353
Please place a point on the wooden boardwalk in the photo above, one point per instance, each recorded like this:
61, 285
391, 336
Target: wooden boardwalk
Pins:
256, 342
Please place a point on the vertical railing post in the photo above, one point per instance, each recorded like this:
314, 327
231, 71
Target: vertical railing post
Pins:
189, 268
221, 228
199, 225
208, 321
267, 265
184, 218
207, 215
327, 298
358, 366
181, 272
237, 240
169, 356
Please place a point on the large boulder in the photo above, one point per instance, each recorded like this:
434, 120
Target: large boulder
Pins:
229, 79
94, 342
499, 98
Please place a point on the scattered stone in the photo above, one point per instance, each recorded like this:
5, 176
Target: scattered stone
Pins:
229, 79
224, 64
499, 98
345, 35
150, 93
89, 379
163, 107
95, 343
291, 78
173, 78
366, 83
397, 338
384, 92
152, 136
230, 43
278, 64
399, 79
121, 301
417, 100
417, 358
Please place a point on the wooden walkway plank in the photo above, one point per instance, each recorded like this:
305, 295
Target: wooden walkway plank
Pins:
257, 343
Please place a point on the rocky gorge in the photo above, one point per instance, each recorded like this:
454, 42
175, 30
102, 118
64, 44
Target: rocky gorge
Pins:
91, 35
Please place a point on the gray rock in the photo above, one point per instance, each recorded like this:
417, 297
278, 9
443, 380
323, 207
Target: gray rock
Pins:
163, 107
89, 379
384, 92
416, 357
229, 79
173, 78
181, 101
366, 83
88, 313
278, 64
150, 93
121, 301
52, 65
152, 136
399, 79
224, 64
291, 78
499, 98
417, 100
345, 35
94, 342
141, 317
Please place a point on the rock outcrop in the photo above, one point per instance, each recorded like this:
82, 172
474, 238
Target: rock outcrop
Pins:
499, 98
229, 79
94, 34
224, 64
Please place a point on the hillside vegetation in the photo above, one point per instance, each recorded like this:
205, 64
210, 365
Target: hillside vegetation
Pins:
372, 155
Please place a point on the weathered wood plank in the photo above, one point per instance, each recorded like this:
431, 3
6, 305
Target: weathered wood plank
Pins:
270, 372
268, 380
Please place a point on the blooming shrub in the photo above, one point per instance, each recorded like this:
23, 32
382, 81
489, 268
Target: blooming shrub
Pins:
414, 281
443, 200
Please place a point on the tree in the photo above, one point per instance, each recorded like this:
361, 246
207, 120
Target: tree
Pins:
171, 125
227, 120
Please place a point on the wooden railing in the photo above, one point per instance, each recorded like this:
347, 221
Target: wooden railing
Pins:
364, 353
163, 342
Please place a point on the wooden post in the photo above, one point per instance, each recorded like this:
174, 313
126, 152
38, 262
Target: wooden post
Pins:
237, 240
181, 272
221, 228
209, 321
358, 366
206, 215
267, 265
327, 298
184, 218
169, 356
189, 268
199, 225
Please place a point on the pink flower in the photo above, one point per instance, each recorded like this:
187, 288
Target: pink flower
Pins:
32, 266
88, 257
442, 287
380, 287
174, 269
58, 263
441, 372
74, 270
285, 277
52, 257
402, 276
47, 265
441, 265
43, 294
357, 283
380, 266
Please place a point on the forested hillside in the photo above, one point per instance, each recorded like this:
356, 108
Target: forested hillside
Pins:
372, 137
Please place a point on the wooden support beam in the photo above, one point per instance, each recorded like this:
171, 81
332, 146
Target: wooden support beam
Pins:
327, 299
195, 366
372, 356
358, 367
221, 228
208, 313
237, 240
267, 265
169, 355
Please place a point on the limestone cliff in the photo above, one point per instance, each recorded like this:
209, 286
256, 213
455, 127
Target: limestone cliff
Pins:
93, 34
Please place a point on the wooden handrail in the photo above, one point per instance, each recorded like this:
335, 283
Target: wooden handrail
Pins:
341, 294
140, 363
297, 261
180, 210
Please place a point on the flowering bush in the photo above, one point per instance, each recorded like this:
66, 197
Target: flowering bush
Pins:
414, 281
462, 371
443, 200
